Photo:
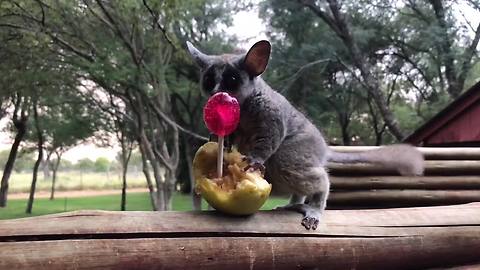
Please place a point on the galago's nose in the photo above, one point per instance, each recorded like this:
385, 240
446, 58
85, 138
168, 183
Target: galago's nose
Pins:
215, 89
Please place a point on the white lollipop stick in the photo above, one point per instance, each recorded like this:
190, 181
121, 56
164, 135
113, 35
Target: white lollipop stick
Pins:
220, 157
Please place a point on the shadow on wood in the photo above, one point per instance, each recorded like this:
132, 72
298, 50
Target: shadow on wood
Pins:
409, 238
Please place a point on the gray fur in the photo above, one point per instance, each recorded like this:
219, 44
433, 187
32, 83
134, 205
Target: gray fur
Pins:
405, 159
272, 132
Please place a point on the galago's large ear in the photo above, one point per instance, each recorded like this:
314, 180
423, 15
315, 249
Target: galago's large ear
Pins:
200, 58
256, 60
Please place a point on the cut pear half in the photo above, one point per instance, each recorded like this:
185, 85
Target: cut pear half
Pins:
238, 192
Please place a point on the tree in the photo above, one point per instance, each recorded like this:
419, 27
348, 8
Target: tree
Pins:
394, 53
19, 119
125, 49
124, 158
85, 164
66, 126
124, 136
102, 164
22, 58
25, 161
39, 158
15, 64
438, 51
339, 23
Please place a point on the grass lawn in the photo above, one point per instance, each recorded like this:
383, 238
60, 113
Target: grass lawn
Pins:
135, 201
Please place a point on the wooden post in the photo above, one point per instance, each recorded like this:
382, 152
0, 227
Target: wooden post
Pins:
411, 238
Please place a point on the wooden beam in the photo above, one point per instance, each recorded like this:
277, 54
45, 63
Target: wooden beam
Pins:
432, 167
401, 198
430, 153
405, 182
361, 239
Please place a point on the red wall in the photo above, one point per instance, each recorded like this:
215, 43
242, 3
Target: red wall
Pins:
465, 127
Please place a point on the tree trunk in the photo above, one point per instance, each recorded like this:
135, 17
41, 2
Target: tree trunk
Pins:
159, 179
54, 176
170, 181
378, 138
374, 88
37, 163
346, 139
160, 196
376, 122
124, 190
146, 172
46, 167
196, 198
126, 154
21, 126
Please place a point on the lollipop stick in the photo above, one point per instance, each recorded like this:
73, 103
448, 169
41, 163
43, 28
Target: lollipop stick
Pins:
220, 157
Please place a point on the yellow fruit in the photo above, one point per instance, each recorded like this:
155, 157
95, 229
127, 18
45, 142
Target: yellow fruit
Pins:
237, 192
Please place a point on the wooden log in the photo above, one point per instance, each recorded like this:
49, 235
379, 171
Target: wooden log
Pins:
430, 153
401, 198
412, 238
432, 167
405, 182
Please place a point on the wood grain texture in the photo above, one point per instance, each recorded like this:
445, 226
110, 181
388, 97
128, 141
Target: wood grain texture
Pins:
401, 198
408, 238
430, 153
406, 182
432, 167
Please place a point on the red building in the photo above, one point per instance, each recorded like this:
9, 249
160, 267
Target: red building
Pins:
456, 125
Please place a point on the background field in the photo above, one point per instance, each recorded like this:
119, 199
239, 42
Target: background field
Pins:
72, 181
75, 180
135, 202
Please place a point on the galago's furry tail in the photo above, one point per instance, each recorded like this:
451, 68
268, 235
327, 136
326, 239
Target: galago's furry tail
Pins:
407, 160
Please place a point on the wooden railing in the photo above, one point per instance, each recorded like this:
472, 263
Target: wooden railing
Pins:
407, 238
452, 176
397, 238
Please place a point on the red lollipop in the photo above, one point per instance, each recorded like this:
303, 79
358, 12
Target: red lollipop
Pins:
221, 114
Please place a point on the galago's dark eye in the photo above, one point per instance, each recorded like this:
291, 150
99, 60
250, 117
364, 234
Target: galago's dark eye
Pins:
208, 81
230, 80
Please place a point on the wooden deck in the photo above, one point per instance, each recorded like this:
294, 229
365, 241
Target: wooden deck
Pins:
403, 238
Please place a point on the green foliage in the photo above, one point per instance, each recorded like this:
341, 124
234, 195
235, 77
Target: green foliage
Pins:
24, 162
85, 164
473, 76
102, 164
420, 58
65, 165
